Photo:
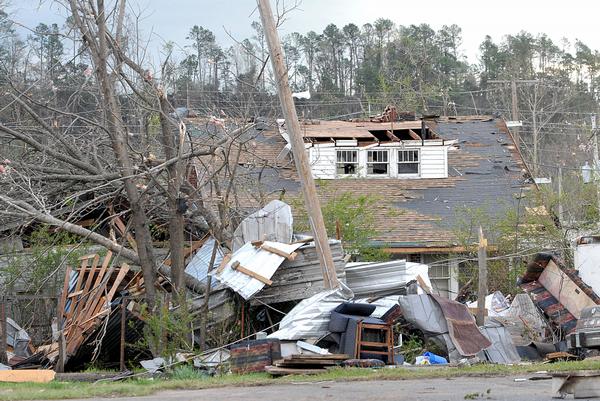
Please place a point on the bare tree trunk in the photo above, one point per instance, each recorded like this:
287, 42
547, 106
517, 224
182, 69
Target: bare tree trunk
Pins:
99, 51
175, 202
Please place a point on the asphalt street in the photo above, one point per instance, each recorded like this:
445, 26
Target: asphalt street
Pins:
454, 389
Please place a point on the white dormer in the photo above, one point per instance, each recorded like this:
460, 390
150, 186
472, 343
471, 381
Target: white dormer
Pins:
402, 150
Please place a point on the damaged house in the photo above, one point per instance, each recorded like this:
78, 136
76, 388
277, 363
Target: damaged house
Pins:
427, 174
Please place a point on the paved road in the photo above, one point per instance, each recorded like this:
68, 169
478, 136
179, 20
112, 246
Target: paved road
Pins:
455, 389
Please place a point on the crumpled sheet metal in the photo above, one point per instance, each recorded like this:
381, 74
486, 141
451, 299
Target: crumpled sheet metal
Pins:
258, 261
198, 266
17, 338
503, 349
384, 278
462, 328
310, 318
425, 313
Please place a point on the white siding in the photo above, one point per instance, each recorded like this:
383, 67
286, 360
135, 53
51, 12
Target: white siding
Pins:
322, 159
433, 162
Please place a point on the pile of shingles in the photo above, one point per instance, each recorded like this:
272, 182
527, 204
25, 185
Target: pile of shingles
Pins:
305, 364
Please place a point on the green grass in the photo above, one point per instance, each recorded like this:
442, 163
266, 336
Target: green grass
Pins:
184, 378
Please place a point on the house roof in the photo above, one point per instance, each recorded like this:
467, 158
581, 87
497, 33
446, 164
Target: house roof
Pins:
414, 215
352, 129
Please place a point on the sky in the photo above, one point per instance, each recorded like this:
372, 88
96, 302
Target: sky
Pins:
172, 19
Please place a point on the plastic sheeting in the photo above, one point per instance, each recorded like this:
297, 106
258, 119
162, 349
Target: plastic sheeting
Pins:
310, 318
259, 261
198, 266
384, 278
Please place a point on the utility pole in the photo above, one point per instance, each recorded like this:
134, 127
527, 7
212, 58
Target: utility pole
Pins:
596, 158
560, 202
515, 109
482, 289
309, 190
514, 101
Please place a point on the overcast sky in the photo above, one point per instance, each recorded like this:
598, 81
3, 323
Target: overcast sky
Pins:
172, 19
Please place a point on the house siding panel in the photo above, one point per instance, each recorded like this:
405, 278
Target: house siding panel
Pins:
433, 162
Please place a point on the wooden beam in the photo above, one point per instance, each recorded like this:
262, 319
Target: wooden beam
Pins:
391, 136
414, 135
482, 290
309, 190
237, 266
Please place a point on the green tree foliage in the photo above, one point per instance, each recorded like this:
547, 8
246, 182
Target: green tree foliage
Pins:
351, 216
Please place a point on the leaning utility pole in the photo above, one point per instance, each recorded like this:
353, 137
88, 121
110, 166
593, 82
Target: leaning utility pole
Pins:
482, 290
309, 190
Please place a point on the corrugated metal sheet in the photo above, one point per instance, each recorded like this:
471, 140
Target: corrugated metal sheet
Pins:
310, 318
302, 277
274, 222
258, 261
503, 349
384, 278
198, 266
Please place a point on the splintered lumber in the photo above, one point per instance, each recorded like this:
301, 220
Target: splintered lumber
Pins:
237, 266
337, 357
27, 376
305, 360
120, 226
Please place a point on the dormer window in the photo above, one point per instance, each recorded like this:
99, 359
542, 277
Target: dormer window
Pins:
377, 162
347, 162
408, 162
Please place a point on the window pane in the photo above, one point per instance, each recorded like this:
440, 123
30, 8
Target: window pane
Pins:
377, 168
377, 156
346, 168
347, 162
408, 168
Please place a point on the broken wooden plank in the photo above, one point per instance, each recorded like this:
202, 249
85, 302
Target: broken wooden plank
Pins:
237, 266
280, 371
63, 297
120, 226
414, 135
423, 284
288, 256
224, 263
27, 376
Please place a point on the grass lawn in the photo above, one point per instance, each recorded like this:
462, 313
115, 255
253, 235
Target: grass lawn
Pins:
185, 380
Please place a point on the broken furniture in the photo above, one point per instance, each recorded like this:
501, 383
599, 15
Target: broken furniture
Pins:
359, 335
558, 291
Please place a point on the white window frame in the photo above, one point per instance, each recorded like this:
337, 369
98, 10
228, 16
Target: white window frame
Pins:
398, 162
338, 162
387, 162
435, 268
